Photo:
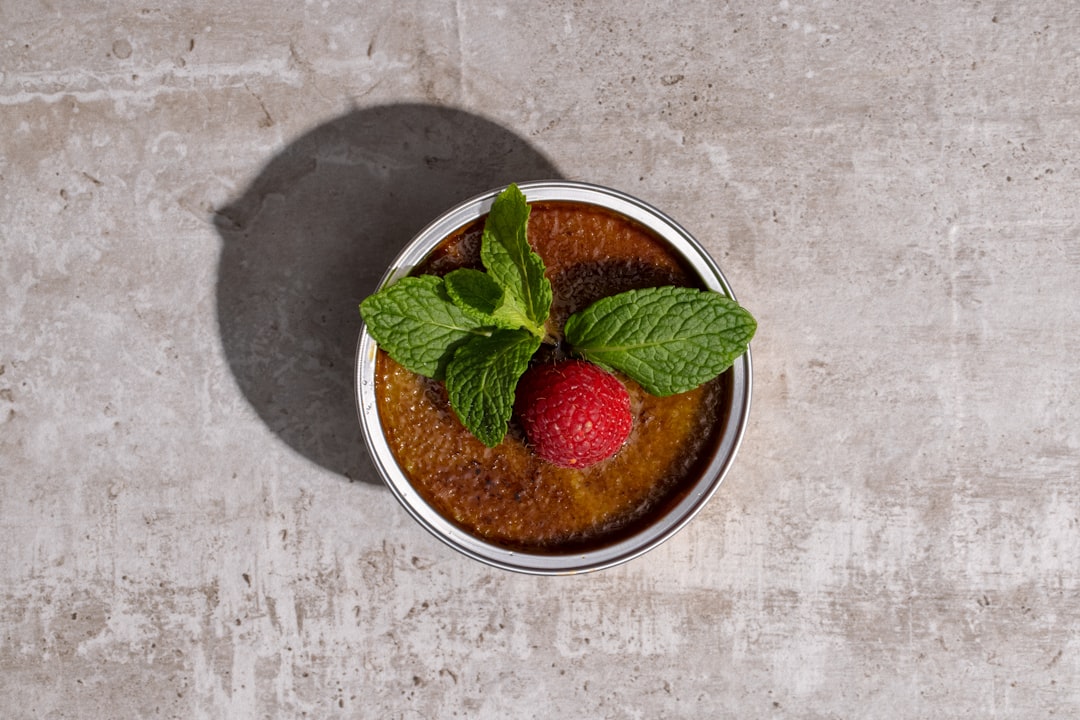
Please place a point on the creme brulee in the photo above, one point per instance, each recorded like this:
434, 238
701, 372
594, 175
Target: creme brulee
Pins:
507, 496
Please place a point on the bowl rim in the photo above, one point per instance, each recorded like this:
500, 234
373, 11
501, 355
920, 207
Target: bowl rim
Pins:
628, 547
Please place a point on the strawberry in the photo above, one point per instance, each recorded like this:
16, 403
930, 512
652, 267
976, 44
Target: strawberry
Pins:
574, 413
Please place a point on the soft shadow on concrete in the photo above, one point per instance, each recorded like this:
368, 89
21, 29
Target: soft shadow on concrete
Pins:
312, 236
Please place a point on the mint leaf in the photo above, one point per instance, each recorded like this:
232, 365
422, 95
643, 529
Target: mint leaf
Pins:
475, 330
481, 378
668, 339
511, 262
480, 296
415, 321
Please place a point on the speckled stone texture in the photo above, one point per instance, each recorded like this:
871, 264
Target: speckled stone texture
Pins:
195, 195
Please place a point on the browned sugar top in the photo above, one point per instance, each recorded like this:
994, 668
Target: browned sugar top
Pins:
505, 494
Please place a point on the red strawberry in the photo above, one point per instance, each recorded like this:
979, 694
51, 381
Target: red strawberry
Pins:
574, 413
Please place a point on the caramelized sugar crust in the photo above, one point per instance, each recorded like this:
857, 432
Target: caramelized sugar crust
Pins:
505, 494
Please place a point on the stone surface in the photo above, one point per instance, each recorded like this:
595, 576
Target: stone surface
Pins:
194, 196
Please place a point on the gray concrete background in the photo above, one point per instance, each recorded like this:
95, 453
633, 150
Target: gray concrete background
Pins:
194, 196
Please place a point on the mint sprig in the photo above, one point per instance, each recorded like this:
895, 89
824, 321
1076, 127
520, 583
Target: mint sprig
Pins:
478, 330
475, 330
669, 339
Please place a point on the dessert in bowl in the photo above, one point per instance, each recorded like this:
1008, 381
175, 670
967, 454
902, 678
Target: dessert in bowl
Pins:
618, 324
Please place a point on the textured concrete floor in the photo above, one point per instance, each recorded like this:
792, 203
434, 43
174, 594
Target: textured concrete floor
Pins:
195, 195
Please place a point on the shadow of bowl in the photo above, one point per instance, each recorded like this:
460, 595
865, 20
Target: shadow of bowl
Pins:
312, 236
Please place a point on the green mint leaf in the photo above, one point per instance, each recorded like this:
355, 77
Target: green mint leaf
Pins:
481, 379
415, 321
668, 339
480, 296
511, 262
